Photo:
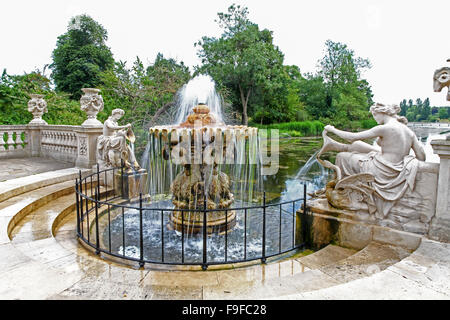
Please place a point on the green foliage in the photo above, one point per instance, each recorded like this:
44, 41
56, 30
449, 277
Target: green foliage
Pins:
142, 91
80, 56
245, 60
444, 113
246, 65
15, 92
343, 96
421, 111
297, 128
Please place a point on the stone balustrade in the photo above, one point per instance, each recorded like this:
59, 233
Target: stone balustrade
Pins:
13, 141
59, 142
72, 144
429, 125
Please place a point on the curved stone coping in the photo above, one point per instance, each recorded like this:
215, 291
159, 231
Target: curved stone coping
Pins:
16, 208
425, 274
14, 187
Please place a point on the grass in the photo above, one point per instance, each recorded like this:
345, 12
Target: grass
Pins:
295, 128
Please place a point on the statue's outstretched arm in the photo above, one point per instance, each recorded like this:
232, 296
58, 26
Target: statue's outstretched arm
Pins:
110, 125
355, 136
418, 149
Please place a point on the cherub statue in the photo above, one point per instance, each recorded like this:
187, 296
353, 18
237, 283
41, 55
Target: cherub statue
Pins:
112, 146
375, 176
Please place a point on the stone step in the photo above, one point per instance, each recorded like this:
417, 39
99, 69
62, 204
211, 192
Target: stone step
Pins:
373, 258
325, 256
16, 208
422, 275
38, 224
42, 221
324, 273
14, 187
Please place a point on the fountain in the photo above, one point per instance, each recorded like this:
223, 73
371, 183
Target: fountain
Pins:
203, 163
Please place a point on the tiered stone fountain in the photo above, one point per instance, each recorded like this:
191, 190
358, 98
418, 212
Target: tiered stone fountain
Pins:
202, 146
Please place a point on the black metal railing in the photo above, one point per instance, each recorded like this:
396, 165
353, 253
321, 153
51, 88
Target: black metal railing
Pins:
277, 231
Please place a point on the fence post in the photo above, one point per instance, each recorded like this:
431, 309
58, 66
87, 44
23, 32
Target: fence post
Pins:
97, 236
98, 180
182, 237
78, 207
304, 198
121, 178
204, 265
141, 233
263, 259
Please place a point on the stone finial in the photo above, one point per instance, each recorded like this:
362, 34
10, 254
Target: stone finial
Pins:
92, 103
37, 106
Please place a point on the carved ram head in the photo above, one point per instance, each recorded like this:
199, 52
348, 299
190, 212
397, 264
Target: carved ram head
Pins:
441, 79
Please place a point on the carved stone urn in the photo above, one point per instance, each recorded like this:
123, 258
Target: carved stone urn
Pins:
91, 103
37, 106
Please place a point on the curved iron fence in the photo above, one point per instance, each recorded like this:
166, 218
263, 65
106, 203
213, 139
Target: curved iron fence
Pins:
104, 223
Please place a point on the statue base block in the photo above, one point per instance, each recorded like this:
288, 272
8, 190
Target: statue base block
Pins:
192, 222
130, 184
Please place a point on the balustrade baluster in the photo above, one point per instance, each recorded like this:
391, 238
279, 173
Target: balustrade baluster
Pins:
10, 141
2, 141
19, 140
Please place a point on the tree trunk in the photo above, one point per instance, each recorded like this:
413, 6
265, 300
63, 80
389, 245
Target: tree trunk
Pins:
244, 101
158, 113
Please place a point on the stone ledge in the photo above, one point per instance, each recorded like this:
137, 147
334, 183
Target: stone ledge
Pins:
324, 229
14, 187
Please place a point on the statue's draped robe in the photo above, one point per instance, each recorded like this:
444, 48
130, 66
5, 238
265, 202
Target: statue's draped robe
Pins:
392, 180
106, 143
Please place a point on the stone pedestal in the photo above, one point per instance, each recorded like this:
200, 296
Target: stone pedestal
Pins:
132, 184
34, 140
440, 225
87, 146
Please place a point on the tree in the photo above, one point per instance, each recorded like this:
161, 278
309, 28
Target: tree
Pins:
443, 113
145, 93
80, 56
403, 108
426, 109
343, 96
15, 92
339, 68
313, 93
244, 59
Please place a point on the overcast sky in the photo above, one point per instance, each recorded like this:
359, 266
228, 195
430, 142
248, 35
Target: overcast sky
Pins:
406, 41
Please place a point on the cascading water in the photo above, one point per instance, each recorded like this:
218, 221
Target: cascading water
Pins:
200, 89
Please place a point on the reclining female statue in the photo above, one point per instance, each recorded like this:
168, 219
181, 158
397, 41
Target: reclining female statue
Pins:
381, 173
112, 146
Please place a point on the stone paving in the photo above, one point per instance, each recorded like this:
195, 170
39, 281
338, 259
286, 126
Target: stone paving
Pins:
16, 168
40, 258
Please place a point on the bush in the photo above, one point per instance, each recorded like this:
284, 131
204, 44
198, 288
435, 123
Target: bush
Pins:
297, 128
